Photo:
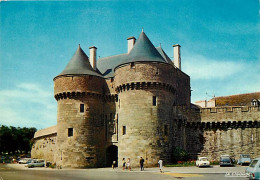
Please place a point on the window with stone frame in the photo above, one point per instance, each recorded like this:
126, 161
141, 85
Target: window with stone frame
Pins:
81, 108
70, 132
154, 100
124, 130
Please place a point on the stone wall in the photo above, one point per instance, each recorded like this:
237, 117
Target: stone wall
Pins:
44, 148
232, 141
231, 113
219, 131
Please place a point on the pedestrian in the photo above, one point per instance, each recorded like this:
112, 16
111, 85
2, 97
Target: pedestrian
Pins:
113, 164
128, 164
142, 163
123, 163
160, 163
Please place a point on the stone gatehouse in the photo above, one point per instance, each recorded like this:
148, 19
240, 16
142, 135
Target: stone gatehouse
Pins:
137, 104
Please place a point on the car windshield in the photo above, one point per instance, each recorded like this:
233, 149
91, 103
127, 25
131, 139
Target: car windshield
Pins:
253, 163
204, 159
225, 159
245, 156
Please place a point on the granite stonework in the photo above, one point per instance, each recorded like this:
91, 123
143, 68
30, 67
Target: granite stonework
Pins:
138, 108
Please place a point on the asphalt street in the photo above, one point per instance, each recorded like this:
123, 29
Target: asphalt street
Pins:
19, 172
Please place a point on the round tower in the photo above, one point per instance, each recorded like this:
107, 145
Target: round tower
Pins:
80, 130
146, 85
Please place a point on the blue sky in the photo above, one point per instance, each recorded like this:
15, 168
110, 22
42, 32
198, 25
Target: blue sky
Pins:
219, 39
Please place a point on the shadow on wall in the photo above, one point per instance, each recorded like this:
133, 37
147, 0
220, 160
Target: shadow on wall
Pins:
188, 135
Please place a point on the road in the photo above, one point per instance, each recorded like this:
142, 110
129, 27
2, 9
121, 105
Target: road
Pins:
19, 172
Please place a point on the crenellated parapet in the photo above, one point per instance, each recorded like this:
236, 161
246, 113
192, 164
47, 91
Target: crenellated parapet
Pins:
232, 113
75, 95
230, 109
144, 86
223, 125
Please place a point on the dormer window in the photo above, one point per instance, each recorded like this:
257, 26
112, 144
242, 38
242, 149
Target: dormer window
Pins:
255, 102
132, 65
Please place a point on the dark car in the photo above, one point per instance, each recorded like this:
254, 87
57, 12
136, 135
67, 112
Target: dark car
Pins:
225, 160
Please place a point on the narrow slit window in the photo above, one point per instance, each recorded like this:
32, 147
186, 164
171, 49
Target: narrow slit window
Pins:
70, 132
81, 108
124, 130
154, 100
157, 71
90, 77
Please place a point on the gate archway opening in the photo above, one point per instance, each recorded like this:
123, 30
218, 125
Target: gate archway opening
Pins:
111, 155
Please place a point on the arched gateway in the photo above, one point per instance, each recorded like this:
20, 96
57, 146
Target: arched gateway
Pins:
111, 155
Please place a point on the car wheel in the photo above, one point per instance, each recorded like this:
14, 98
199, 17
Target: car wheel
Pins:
32, 166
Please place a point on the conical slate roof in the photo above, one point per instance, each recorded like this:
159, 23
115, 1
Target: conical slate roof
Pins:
79, 65
144, 50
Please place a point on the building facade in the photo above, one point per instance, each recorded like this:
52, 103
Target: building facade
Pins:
136, 105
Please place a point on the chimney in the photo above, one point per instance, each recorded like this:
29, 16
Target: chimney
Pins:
93, 57
131, 43
177, 55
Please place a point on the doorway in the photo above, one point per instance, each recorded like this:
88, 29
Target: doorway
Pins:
111, 155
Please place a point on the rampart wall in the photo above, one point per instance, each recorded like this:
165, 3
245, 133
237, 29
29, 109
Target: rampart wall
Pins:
219, 131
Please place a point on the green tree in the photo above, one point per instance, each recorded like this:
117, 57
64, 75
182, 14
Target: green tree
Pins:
13, 140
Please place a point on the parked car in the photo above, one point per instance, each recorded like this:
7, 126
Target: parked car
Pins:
254, 169
244, 159
36, 163
24, 160
202, 162
225, 160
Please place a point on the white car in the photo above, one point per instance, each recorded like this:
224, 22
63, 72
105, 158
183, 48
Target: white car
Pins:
202, 162
24, 160
36, 163
253, 170
244, 159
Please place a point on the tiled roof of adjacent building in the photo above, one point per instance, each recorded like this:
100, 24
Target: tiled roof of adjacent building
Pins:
79, 65
46, 132
237, 100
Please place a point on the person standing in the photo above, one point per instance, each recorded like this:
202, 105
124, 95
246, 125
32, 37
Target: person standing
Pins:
142, 163
123, 161
160, 162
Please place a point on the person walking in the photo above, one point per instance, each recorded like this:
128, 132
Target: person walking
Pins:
114, 164
123, 161
142, 163
128, 164
160, 163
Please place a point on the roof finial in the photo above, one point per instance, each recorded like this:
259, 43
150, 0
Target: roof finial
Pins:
142, 29
79, 45
160, 45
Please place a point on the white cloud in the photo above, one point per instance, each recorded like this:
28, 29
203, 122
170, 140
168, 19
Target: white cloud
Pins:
29, 105
211, 77
199, 67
